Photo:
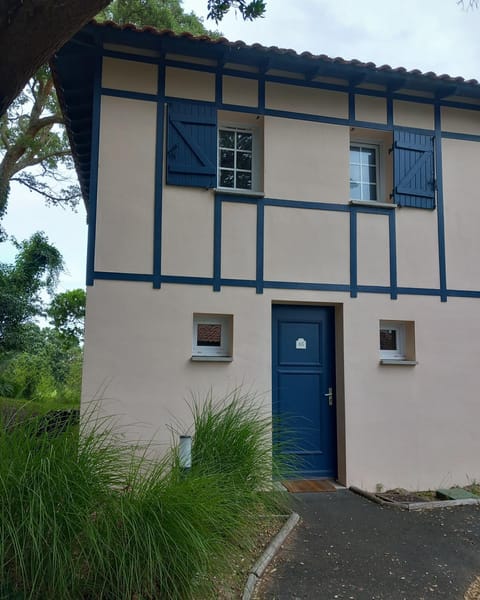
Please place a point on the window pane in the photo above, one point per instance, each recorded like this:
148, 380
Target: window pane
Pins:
368, 156
227, 138
388, 339
354, 154
244, 160
355, 191
209, 334
355, 172
227, 158
369, 174
244, 141
244, 181
227, 178
369, 192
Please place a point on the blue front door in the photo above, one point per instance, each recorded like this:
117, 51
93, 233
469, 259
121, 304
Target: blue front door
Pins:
303, 391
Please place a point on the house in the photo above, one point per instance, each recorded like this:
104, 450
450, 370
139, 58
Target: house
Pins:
303, 226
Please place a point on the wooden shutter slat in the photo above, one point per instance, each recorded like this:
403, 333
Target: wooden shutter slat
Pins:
192, 144
414, 172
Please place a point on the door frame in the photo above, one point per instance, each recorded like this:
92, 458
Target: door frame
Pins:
336, 357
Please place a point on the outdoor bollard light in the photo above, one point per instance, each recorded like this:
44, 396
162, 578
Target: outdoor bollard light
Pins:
185, 452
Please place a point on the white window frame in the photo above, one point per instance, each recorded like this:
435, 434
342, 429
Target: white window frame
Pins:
256, 153
226, 323
400, 329
379, 168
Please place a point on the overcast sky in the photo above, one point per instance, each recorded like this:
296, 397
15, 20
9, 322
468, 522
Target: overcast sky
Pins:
430, 35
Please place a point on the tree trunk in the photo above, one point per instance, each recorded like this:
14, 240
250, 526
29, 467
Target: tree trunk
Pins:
31, 31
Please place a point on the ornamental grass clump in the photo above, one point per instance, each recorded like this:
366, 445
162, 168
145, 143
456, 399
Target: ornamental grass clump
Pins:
84, 515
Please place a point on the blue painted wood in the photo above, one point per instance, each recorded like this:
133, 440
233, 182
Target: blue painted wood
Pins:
413, 169
218, 87
129, 94
442, 263
217, 243
460, 136
351, 105
158, 199
389, 111
92, 200
392, 243
113, 276
260, 246
261, 93
353, 253
192, 144
304, 424
306, 285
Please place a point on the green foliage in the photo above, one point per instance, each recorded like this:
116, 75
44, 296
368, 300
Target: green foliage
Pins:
49, 370
36, 268
249, 10
67, 313
162, 14
87, 516
34, 148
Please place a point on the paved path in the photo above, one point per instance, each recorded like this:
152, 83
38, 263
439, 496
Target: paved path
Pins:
350, 548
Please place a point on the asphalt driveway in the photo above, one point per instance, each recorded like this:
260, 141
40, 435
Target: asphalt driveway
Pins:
347, 547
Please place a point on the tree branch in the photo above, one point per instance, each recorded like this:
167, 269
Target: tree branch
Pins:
56, 199
31, 160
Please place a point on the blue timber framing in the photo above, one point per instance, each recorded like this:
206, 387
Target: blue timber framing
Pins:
442, 266
216, 281
158, 199
93, 186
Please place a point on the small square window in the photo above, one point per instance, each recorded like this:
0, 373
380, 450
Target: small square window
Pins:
212, 335
397, 342
392, 341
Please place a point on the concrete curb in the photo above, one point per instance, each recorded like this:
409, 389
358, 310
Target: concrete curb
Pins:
412, 506
262, 563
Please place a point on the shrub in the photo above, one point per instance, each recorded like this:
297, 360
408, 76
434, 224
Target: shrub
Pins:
83, 515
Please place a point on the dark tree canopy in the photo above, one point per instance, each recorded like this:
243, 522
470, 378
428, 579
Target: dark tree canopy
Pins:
31, 31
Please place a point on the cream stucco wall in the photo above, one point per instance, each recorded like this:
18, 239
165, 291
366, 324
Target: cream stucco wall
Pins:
300, 99
124, 228
460, 120
413, 114
186, 83
414, 427
370, 108
372, 250
187, 231
306, 161
239, 90
417, 248
129, 75
239, 241
306, 245
461, 160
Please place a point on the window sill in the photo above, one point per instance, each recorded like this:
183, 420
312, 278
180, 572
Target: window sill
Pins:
211, 358
232, 192
398, 362
372, 204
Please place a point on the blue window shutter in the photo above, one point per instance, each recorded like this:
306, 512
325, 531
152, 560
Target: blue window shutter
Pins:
192, 144
413, 169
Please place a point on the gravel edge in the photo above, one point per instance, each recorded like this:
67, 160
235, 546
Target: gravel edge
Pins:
414, 505
262, 563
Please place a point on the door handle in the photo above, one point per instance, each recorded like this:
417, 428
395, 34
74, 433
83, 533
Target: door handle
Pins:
329, 395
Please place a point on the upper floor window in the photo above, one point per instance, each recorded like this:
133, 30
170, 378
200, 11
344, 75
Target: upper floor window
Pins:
235, 158
364, 172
